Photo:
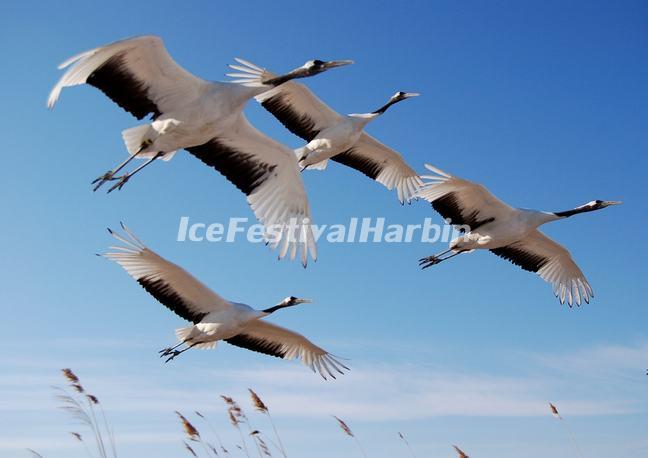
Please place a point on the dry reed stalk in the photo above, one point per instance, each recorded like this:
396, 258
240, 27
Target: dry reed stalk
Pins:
256, 434
82, 408
189, 449
570, 433
213, 430
402, 436
349, 433
235, 415
192, 433
460, 452
260, 406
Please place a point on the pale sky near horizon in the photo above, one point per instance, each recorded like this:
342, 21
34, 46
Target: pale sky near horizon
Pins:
545, 103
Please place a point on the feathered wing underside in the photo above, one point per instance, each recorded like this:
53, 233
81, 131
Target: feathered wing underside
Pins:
292, 103
273, 340
461, 201
137, 73
171, 285
383, 164
538, 253
268, 174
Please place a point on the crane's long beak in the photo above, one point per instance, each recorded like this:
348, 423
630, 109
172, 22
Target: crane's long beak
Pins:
613, 202
303, 301
337, 63
411, 94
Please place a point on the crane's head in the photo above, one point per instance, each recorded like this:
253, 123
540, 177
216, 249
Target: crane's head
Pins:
316, 66
398, 97
598, 204
310, 68
290, 301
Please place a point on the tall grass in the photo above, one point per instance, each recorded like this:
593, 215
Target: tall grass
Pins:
402, 436
345, 428
570, 433
261, 407
88, 411
85, 407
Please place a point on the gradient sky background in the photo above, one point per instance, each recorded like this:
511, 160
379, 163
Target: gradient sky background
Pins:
544, 102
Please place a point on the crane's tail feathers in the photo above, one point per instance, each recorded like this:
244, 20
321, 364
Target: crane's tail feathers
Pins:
250, 75
205, 345
182, 334
185, 335
137, 138
318, 165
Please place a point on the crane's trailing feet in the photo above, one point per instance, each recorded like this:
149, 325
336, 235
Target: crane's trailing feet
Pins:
429, 261
172, 352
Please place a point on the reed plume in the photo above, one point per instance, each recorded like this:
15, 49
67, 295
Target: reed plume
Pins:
256, 434
260, 406
402, 436
344, 427
236, 416
460, 452
570, 433
213, 430
192, 432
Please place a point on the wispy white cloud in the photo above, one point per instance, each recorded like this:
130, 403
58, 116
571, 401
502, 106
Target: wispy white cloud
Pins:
379, 392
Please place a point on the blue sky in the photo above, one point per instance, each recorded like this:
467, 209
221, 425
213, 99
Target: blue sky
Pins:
544, 102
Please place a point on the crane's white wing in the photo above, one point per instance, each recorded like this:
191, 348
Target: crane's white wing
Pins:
383, 164
538, 253
268, 174
171, 285
137, 73
292, 103
270, 339
461, 201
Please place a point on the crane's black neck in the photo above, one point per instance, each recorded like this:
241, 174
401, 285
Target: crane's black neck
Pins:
297, 73
382, 109
274, 308
582, 209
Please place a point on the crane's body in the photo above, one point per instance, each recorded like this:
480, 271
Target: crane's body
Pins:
503, 231
332, 141
212, 113
512, 233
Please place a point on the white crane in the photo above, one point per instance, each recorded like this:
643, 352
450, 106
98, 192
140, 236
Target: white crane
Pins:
213, 317
204, 118
331, 135
511, 233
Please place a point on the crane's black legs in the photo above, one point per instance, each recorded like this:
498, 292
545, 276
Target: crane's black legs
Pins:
167, 351
172, 352
428, 261
175, 353
124, 178
110, 175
